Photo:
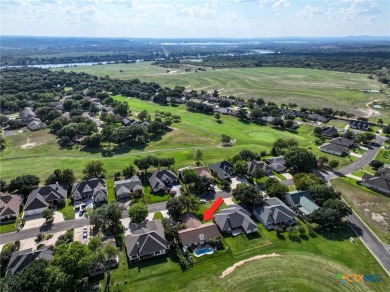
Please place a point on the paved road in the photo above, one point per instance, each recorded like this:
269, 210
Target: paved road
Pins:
32, 232
380, 251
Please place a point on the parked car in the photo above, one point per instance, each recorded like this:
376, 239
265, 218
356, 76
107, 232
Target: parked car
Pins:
85, 234
202, 201
81, 213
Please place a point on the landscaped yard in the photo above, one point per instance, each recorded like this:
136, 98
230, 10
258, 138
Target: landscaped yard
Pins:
383, 155
278, 175
360, 173
311, 264
372, 207
340, 124
8, 227
207, 206
158, 215
68, 210
110, 189
150, 198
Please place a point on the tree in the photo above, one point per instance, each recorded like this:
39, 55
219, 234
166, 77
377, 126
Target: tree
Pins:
242, 114
171, 232
111, 251
300, 160
198, 156
240, 167
289, 124
317, 131
144, 116
94, 243
322, 193
280, 143
331, 214
48, 214
374, 163
247, 155
93, 141
24, 184
323, 159
225, 139
248, 195
217, 116
143, 164
2, 142
202, 185
276, 189
3, 186
260, 102
365, 137
128, 171
94, 169
3, 120
112, 214
121, 109
333, 163
258, 173
97, 217
189, 202
386, 130
175, 208
349, 134
138, 212
304, 181
189, 176
63, 177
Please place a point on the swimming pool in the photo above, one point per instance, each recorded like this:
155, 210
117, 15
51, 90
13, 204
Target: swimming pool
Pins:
203, 250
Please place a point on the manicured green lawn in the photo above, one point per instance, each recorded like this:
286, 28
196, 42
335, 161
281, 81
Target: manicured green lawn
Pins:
278, 175
309, 265
68, 210
8, 227
206, 206
340, 124
110, 189
307, 87
158, 215
371, 206
383, 155
359, 173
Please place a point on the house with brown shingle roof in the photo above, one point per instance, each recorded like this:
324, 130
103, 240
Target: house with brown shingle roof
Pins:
196, 232
9, 206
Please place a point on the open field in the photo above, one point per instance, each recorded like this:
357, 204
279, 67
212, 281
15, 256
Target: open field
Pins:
196, 130
372, 207
312, 264
305, 87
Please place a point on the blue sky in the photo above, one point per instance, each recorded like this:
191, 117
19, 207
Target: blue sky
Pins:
191, 18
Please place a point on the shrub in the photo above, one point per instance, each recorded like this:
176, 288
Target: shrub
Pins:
120, 240
376, 164
333, 163
40, 237
40, 245
278, 230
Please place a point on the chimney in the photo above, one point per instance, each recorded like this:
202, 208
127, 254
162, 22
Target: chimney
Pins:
57, 185
230, 225
138, 247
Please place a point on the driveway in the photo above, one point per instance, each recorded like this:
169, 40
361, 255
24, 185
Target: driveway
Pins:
78, 235
34, 221
237, 180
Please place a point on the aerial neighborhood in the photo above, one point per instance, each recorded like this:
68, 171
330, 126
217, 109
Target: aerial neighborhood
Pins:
140, 181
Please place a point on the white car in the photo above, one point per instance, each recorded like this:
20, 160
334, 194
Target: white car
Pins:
202, 201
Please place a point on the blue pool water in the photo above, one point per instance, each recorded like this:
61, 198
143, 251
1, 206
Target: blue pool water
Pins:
200, 251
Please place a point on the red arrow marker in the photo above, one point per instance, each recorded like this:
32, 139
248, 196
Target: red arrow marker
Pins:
209, 214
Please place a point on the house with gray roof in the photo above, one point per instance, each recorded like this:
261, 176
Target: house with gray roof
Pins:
318, 118
274, 212
9, 206
302, 201
334, 149
235, 220
128, 121
27, 115
359, 125
44, 197
223, 169
128, 188
21, 259
147, 241
329, 131
277, 163
163, 180
36, 125
252, 165
343, 141
380, 184
94, 188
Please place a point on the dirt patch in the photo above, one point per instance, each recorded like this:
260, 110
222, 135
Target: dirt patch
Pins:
240, 263
378, 218
28, 145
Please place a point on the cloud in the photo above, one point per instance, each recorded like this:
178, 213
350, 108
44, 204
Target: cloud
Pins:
310, 11
281, 4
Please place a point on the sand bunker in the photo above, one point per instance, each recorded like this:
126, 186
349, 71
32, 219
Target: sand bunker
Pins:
240, 263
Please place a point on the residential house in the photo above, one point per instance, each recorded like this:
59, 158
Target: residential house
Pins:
9, 206
147, 241
273, 213
359, 125
303, 201
44, 197
224, 110
235, 220
200, 171
252, 165
36, 125
95, 188
128, 121
128, 188
21, 259
380, 184
163, 180
318, 118
196, 232
329, 132
338, 146
268, 119
27, 115
277, 163
223, 169
79, 139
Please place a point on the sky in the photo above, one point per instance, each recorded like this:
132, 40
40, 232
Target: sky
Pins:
194, 18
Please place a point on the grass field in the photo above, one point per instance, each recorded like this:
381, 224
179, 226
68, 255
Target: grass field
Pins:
383, 155
42, 154
309, 265
306, 87
7, 227
372, 207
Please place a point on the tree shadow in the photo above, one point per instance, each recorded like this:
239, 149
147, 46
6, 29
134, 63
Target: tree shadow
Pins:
340, 233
